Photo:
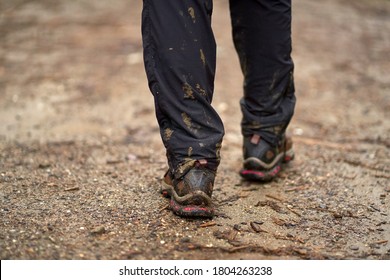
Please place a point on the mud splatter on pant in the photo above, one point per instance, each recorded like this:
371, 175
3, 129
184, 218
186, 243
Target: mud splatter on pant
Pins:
180, 60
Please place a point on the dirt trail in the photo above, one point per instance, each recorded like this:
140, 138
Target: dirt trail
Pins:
81, 157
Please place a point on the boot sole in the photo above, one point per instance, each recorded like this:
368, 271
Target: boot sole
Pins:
256, 170
205, 210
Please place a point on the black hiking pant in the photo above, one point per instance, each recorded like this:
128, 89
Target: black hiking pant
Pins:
180, 61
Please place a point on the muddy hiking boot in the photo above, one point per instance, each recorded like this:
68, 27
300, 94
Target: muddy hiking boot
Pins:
262, 162
191, 194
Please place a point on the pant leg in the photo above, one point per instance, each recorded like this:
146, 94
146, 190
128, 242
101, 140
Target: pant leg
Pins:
180, 58
262, 37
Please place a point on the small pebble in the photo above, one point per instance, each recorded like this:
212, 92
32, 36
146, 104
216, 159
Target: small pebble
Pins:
185, 240
354, 248
44, 165
131, 157
337, 215
98, 230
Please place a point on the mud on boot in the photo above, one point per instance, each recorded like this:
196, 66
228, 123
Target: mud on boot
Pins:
191, 193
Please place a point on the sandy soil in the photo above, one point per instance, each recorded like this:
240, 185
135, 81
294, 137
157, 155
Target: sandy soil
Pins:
81, 157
